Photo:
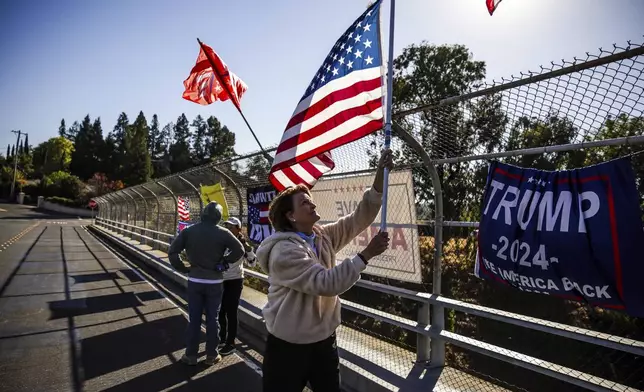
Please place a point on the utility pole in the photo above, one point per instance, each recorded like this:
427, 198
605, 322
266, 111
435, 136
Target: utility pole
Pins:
15, 163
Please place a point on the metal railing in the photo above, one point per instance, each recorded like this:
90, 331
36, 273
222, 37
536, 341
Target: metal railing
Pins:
453, 316
431, 332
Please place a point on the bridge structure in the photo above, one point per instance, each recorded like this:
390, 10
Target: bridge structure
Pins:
447, 331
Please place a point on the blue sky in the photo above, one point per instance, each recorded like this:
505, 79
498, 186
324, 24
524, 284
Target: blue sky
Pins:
67, 58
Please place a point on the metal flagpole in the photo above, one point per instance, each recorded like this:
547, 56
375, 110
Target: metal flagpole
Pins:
225, 86
390, 87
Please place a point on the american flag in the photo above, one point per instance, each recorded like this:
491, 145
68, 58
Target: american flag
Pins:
342, 103
183, 208
258, 213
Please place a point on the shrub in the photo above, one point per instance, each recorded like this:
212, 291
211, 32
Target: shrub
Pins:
63, 184
63, 201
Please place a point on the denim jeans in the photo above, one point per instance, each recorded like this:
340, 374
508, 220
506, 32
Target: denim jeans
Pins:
203, 297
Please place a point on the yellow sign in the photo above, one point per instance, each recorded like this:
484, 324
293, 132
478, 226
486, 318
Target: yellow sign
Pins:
215, 193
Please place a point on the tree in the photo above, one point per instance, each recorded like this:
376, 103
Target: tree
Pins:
62, 129
222, 143
53, 155
425, 74
154, 135
180, 158
26, 147
21, 149
199, 141
8, 151
137, 159
160, 156
89, 148
258, 168
73, 131
115, 148
13, 151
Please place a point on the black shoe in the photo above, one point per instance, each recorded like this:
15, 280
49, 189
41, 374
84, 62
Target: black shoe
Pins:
227, 350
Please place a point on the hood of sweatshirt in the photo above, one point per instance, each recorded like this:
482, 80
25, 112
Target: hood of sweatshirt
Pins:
212, 213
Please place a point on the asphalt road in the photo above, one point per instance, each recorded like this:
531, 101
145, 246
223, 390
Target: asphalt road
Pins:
75, 317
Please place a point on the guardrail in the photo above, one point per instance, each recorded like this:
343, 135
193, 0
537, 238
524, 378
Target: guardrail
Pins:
426, 331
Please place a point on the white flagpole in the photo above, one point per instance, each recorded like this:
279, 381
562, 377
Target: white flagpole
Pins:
390, 87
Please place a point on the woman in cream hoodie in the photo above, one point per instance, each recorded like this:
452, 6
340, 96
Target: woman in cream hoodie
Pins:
303, 309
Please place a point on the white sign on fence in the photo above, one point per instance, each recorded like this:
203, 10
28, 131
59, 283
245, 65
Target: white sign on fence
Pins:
337, 197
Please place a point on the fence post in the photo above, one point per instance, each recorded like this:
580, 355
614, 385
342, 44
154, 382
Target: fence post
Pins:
432, 349
239, 195
135, 212
155, 245
176, 204
194, 188
145, 215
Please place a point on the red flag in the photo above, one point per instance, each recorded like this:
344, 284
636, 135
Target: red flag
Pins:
204, 87
342, 103
491, 5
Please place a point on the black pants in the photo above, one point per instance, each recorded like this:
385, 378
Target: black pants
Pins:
228, 312
288, 366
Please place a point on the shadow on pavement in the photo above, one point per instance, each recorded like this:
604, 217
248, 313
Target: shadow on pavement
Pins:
236, 377
116, 350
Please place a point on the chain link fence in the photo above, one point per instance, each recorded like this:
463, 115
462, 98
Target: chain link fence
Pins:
566, 115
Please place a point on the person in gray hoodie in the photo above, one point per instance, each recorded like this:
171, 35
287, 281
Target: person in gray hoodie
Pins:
210, 249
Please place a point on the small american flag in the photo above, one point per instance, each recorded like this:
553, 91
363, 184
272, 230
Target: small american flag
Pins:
183, 208
258, 213
342, 103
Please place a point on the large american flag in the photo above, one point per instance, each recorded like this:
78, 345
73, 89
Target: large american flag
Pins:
183, 208
342, 103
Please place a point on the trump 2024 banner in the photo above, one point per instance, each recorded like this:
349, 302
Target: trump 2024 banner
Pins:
576, 234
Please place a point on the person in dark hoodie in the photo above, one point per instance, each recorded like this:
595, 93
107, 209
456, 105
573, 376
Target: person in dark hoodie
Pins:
210, 249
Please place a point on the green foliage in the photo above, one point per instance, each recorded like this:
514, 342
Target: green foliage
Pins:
63, 184
137, 159
221, 140
180, 158
89, 148
53, 155
199, 140
258, 168
63, 201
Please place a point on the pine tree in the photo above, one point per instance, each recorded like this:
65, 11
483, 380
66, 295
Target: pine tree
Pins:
73, 131
13, 151
180, 150
26, 148
115, 146
199, 141
154, 135
161, 157
89, 148
137, 157
20, 148
8, 151
62, 129
222, 140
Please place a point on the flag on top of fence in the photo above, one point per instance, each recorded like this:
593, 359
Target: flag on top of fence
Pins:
491, 5
204, 86
342, 103
183, 208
